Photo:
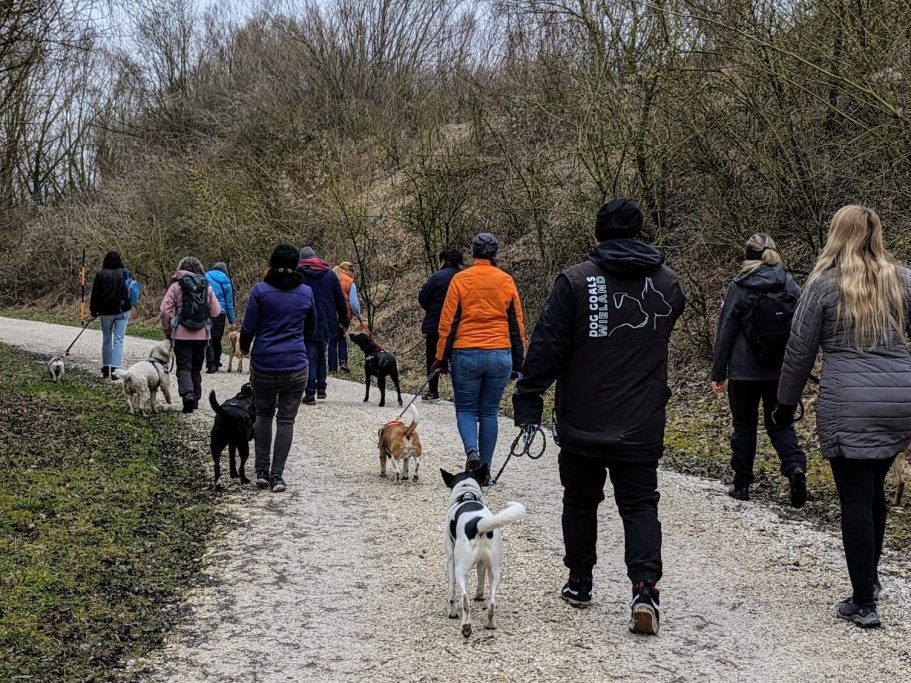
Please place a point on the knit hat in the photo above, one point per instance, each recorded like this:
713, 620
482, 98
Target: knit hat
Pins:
284, 256
307, 252
221, 266
618, 218
484, 246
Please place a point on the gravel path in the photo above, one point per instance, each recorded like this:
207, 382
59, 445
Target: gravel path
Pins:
342, 577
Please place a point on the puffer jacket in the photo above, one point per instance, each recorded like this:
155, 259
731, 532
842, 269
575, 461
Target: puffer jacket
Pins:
482, 310
224, 290
432, 296
170, 309
733, 358
864, 406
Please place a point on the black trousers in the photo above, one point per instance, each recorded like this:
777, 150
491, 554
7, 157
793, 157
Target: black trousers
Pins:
863, 519
431, 341
190, 355
213, 350
744, 397
635, 483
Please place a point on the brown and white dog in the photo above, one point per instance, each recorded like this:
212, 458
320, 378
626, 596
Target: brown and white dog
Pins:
401, 444
233, 338
900, 472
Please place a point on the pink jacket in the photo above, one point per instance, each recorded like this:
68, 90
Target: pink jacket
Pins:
170, 307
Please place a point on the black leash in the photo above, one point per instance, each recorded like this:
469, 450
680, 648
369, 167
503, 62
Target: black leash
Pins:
522, 445
420, 391
87, 323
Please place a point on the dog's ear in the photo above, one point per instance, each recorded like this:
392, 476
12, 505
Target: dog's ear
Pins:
447, 477
480, 475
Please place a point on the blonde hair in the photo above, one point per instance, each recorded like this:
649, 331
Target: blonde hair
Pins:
870, 290
765, 246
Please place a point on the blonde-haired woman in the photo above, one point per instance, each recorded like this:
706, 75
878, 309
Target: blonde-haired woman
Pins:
753, 329
856, 307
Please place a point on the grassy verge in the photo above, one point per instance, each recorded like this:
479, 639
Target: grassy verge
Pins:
101, 525
147, 329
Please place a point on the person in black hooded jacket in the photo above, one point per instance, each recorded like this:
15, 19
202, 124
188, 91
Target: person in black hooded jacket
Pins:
748, 380
603, 336
431, 298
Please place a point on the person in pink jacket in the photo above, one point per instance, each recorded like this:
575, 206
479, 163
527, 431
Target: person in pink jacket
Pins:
186, 318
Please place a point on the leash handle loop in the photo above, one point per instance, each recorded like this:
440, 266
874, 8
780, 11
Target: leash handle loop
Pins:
522, 445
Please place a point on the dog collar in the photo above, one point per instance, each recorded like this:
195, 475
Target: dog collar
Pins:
467, 496
155, 361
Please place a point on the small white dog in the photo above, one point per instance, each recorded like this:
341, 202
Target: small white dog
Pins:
471, 539
57, 368
142, 380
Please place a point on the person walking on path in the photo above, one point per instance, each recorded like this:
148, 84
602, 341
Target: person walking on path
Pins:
221, 284
110, 302
482, 332
603, 336
280, 314
331, 314
856, 307
187, 310
431, 298
338, 352
753, 329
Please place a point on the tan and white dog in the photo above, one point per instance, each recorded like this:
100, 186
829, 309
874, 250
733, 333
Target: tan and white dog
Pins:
401, 444
233, 338
142, 380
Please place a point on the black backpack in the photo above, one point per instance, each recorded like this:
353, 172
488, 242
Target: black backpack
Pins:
194, 307
767, 325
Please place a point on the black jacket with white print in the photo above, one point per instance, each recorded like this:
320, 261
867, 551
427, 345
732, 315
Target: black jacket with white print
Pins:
603, 336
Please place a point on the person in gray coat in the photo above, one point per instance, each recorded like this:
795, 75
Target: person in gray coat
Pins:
857, 308
751, 377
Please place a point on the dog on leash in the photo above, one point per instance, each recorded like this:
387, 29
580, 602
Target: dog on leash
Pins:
900, 473
233, 427
57, 368
233, 338
401, 445
380, 363
472, 538
142, 380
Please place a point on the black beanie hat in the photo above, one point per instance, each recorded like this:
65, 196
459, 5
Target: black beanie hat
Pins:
484, 245
284, 256
618, 218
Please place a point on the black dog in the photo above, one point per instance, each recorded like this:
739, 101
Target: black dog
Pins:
378, 361
233, 428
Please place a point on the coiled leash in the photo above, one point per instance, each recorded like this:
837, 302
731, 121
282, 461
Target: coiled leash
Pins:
420, 391
522, 445
87, 323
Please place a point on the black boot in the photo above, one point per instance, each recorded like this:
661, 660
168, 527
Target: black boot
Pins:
106, 372
798, 481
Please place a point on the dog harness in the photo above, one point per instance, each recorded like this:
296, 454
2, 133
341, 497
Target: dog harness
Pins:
467, 502
155, 361
386, 426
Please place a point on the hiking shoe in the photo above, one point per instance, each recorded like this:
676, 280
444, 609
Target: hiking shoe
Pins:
344, 367
106, 372
472, 460
644, 618
189, 404
865, 617
309, 401
431, 398
321, 395
262, 480
211, 370
577, 591
798, 481
739, 492
278, 484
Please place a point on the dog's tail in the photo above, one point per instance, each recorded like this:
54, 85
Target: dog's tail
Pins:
512, 513
415, 418
214, 403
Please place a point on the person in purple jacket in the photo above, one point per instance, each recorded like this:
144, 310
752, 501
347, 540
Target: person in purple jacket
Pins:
280, 314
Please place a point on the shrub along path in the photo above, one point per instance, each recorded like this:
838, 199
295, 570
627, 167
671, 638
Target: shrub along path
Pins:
342, 577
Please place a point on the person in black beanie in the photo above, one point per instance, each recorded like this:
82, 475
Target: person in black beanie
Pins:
280, 313
603, 337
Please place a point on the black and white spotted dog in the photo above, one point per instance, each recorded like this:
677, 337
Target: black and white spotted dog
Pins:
471, 538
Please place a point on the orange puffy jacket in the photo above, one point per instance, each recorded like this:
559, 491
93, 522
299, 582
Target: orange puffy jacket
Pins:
482, 310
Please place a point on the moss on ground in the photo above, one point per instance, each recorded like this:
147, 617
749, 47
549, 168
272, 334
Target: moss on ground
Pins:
102, 524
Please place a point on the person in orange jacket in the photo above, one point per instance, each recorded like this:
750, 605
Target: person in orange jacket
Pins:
482, 335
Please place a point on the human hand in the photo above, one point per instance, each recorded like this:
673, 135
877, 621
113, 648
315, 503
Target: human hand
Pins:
717, 387
518, 372
783, 414
440, 366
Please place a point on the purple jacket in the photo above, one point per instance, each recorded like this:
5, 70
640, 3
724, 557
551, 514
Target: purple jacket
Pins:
280, 313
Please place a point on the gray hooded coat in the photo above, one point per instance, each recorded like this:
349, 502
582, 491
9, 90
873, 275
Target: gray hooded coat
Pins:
864, 406
732, 357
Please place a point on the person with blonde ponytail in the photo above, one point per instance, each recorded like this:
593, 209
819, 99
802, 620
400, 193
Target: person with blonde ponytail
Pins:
753, 330
856, 308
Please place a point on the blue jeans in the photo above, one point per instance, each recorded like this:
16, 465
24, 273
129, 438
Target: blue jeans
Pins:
113, 331
479, 378
338, 351
316, 357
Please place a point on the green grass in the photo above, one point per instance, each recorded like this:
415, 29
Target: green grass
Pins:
147, 329
102, 524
